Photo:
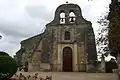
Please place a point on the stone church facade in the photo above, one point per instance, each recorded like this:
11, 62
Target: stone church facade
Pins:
66, 45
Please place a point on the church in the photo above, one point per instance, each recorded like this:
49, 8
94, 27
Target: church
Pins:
66, 45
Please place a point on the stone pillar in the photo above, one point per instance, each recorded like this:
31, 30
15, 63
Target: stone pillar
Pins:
75, 62
59, 61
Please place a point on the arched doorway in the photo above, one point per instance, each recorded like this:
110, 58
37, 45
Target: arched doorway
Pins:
67, 59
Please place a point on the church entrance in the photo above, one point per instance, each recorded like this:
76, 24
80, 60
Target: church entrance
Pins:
67, 59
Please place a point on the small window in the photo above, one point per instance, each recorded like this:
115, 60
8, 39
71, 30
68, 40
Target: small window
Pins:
67, 35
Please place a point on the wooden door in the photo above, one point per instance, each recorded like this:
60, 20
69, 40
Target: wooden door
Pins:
67, 59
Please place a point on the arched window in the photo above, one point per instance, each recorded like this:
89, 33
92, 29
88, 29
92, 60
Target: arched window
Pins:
62, 18
67, 35
72, 17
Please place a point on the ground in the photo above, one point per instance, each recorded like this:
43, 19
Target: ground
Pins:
75, 75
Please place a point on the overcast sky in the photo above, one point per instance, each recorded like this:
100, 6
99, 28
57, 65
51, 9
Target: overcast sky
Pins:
21, 19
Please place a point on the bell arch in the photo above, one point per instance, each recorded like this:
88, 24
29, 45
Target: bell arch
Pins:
72, 17
62, 17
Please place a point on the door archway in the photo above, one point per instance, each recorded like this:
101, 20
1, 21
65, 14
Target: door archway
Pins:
67, 59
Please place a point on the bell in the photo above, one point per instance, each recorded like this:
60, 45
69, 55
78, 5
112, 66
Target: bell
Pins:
62, 19
72, 19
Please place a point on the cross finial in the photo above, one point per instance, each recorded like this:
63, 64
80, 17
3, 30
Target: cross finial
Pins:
66, 2
0, 36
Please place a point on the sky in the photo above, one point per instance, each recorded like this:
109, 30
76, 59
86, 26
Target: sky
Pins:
21, 19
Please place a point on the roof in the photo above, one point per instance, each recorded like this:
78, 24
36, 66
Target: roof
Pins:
31, 43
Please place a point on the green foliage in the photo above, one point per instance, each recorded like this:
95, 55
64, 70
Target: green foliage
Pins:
3, 53
7, 66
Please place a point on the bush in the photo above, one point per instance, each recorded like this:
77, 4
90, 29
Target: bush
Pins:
3, 53
7, 66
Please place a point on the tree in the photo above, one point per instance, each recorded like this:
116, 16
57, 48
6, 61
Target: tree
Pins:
7, 66
102, 39
114, 28
3, 53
